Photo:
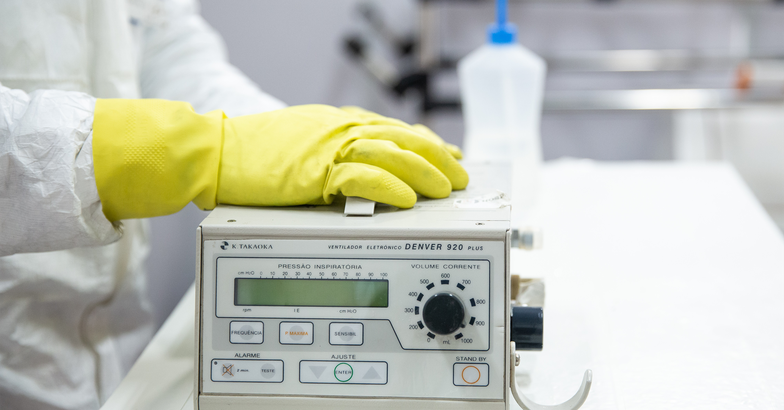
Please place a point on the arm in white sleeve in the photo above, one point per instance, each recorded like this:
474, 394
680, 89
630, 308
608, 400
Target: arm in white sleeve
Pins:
184, 59
48, 197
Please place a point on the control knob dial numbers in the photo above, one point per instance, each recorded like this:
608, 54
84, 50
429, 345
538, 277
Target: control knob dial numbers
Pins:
443, 313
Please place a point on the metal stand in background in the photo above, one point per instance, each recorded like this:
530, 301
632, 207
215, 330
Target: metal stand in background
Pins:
419, 61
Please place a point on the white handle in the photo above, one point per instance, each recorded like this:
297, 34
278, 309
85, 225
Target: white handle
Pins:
356, 206
527, 404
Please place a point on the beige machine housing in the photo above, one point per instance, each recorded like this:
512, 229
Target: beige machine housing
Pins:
337, 356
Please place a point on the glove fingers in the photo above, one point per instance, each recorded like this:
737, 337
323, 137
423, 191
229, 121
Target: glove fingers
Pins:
369, 182
454, 150
411, 140
429, 134
372, 118
411, 168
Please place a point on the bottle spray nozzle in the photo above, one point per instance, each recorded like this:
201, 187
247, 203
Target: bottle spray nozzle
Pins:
501, 32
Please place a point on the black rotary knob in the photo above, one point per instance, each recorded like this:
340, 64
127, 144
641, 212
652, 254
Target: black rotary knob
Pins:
527, 327
443, 313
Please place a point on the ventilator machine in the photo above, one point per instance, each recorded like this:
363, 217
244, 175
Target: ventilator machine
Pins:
347, 306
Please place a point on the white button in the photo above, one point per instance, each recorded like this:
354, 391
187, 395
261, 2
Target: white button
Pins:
296, 333
246, 332
471, 374
260, 371
350, 334
334, 372
343, 372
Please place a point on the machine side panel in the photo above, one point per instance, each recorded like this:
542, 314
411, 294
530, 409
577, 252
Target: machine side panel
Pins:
198, 318
508, 316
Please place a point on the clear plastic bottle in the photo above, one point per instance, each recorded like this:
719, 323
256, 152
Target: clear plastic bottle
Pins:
501, 86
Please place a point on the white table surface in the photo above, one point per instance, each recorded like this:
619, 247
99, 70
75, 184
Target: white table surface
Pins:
667, 280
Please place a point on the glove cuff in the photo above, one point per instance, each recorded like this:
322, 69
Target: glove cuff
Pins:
152, 157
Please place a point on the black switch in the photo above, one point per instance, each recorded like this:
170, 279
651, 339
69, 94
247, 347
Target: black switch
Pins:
527, 327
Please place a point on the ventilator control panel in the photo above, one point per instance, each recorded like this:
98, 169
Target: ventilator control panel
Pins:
431, 304
352, 319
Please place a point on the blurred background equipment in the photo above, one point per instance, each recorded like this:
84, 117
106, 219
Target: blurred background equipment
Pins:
685, 80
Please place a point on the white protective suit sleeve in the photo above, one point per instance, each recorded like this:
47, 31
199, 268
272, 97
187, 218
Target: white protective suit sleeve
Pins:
48, 197
184, 59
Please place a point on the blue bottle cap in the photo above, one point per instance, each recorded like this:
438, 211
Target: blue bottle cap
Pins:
501, 32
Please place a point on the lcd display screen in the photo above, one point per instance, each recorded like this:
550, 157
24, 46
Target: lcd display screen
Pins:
311, 292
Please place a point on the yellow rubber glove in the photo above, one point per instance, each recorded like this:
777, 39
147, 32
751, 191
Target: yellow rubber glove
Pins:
152, 157
426, 132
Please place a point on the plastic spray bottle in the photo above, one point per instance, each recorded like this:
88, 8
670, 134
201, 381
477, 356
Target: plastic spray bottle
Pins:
501, 86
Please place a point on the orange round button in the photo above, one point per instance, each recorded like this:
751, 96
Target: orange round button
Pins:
471, 376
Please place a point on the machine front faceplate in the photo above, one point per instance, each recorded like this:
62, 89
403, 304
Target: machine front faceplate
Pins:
353, 318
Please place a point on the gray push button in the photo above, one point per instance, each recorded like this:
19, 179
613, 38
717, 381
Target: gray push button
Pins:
296, 333
346, 334
246, 332
334, 372
259, 371
471, 374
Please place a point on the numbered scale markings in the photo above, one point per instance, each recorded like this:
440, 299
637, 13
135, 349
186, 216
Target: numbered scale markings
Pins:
301, 274
430, 304
445, 308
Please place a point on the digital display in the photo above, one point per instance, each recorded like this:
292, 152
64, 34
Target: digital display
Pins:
311, 292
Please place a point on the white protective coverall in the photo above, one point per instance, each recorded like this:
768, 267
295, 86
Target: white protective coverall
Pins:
73, 313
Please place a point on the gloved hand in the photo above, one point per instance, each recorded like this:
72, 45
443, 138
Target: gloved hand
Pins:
426, 132
152, 157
